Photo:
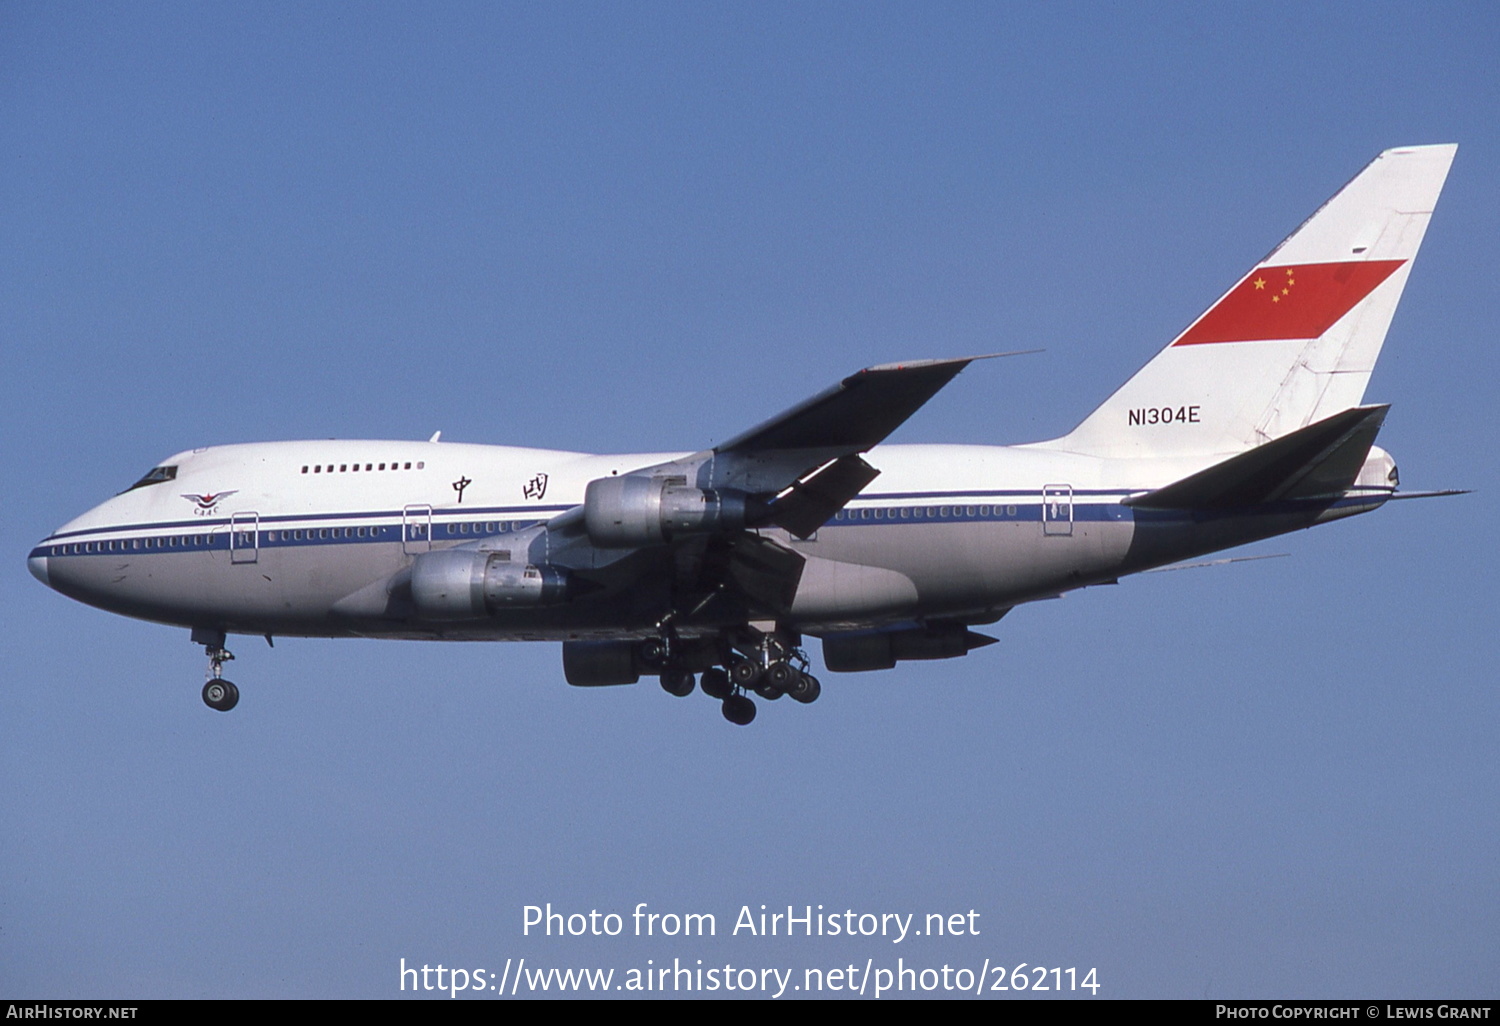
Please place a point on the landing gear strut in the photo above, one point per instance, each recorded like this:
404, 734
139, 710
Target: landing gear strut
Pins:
218, 694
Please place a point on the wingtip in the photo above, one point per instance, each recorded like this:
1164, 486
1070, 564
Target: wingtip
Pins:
1424, 147
944, 361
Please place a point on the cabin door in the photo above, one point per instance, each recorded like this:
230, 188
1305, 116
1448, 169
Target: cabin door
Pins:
416, 530
1057, 510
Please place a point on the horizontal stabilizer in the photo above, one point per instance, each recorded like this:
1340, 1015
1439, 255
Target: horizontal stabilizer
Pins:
1438, 494
1318, 461
811, 503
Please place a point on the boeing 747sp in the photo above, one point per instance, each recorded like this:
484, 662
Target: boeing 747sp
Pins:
709, 568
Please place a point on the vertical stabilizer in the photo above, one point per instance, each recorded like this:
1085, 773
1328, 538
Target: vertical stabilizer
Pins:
1295, 340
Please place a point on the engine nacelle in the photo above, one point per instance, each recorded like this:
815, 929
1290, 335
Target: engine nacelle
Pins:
626, 512
461, 584
881, 650
592, 664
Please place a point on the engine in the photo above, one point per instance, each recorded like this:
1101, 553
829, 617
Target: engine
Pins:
461, 584
592, 664
881, 650
626, 512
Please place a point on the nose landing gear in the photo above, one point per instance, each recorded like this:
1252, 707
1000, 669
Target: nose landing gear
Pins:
221, 695
218, 694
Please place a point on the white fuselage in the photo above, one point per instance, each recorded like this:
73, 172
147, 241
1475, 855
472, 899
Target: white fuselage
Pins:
306, 538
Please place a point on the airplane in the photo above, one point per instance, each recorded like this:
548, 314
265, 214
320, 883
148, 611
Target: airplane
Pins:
709, 568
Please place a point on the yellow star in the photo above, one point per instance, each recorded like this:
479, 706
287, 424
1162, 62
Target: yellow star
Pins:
1286, 292
1260, 283
1291, 281
1275, 299
1290, 272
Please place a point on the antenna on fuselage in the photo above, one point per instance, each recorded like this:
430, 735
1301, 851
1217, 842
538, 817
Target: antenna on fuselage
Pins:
435, 436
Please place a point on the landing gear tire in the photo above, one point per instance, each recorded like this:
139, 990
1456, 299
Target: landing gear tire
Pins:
767, 690
739, 710
222, 695
780, 676
745, 673
805, 689
715, 683
652, 653
677, 682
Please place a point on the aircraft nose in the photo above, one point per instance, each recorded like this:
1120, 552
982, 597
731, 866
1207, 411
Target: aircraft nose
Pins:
38, 567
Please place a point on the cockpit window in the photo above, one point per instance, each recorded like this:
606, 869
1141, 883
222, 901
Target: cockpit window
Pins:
156, 475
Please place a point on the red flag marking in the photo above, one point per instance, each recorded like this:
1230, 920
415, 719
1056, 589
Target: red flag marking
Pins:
1300, 301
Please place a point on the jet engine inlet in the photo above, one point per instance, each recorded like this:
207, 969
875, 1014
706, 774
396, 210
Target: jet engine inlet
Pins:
461, 584
625, 512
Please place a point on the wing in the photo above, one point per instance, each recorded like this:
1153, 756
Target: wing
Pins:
693, 522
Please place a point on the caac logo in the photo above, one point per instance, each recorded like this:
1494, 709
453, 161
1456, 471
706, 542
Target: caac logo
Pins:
535, 488
203, 505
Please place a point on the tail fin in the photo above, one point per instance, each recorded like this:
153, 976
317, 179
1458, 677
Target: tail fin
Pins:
1295, 340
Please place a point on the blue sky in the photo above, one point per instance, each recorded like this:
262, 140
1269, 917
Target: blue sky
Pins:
642, 227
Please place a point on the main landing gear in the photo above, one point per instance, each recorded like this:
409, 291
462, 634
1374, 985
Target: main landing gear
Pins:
218, 693
768, 663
